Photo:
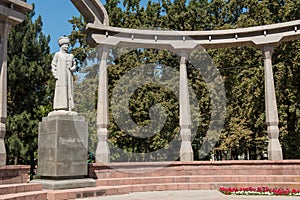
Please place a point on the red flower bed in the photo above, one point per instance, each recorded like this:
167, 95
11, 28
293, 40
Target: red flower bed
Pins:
259, 191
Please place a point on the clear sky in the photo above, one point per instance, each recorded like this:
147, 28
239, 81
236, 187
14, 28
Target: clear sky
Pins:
55, 15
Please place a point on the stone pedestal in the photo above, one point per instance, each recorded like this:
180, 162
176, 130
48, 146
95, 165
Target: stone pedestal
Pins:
63, 151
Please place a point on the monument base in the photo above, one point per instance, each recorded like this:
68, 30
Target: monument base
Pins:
63, 152
63, 147
65, 184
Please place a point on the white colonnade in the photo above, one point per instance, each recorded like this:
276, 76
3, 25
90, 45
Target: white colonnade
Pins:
102, 35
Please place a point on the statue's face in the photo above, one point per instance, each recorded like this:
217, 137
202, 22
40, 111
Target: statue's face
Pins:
65, 47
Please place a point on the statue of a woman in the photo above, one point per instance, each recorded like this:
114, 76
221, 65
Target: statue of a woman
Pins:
63, 65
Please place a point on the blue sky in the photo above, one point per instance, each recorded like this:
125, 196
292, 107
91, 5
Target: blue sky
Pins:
55, 15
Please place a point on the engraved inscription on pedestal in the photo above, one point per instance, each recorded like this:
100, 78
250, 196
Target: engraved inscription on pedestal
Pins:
63, 141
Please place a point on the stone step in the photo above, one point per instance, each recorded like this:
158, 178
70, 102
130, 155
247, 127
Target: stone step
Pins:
18, 188
197, 168
196, 179
119, 190
126, 189
14, 174
184, 172
34, 195
76, 193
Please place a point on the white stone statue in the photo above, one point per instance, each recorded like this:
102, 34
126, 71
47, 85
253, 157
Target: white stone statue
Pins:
63, 65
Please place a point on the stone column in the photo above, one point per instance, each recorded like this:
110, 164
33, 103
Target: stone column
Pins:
4, 32
186, 151
274, 148
102, 152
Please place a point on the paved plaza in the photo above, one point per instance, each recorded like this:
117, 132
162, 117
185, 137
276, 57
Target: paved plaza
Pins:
189, 195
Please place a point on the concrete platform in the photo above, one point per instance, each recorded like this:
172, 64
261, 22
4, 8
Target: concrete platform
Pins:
188, 195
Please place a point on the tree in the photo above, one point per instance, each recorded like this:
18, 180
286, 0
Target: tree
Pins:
30, 88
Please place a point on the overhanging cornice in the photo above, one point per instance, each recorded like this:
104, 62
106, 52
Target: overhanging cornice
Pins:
13, 11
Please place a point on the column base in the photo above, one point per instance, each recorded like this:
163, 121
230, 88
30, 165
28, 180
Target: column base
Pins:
274, 147
2, 153
102, 153
274, 150
186, 152
2, 144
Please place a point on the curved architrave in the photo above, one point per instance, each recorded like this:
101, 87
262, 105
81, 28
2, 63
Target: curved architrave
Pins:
93, 11
98, 24
254, 36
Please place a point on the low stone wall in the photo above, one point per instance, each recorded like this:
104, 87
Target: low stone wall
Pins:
235, 167
11, 174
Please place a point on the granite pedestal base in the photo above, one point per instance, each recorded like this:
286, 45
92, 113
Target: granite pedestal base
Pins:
63, 151
66, 184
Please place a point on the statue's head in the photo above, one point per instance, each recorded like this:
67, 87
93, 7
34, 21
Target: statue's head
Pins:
63, 40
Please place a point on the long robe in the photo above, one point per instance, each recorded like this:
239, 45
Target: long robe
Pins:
62, 64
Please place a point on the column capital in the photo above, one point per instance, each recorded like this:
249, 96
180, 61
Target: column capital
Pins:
5, 28
183, 52
103, 48
267, 51
183, 60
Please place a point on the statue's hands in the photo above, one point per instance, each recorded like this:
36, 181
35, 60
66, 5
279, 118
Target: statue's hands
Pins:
74, 66
55, 74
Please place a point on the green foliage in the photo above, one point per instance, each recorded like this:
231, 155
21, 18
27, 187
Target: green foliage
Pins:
148, 94
30, 87
287, 76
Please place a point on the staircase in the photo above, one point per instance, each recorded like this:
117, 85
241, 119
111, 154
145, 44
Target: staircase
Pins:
141, 177
22, 191
124, 178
